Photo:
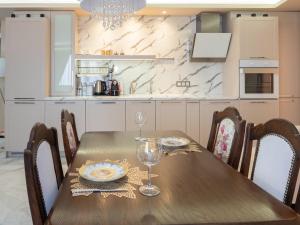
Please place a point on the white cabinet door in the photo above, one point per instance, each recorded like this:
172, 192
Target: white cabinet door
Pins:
259, 111
193, 120
20, 117
207, 109
289, 109
53, 116
27, 54
258, 37
62, 50
171, 115
105, 116
147, 108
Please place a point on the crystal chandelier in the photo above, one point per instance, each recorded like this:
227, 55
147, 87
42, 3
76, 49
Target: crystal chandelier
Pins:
113, 12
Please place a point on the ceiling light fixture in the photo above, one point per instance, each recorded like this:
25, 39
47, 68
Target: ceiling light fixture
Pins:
112, 12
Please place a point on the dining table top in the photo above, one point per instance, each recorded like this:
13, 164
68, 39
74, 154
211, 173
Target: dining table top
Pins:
196, 188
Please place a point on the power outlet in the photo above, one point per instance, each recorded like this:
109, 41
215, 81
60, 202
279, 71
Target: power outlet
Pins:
183, 83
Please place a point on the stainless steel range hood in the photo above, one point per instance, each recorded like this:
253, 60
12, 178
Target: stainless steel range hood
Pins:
210, 43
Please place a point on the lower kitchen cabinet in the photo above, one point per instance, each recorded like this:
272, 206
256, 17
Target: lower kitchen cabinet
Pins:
53, 116
147, 108
259, 111
289, 109
207, 109
193, 120
105, 116
171, 115
20, 117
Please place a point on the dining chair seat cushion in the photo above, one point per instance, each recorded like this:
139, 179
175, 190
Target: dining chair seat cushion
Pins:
71, 138
47, 176
224, 139
274, 163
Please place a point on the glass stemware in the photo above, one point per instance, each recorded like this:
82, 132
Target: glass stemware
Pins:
149, 153
140, 120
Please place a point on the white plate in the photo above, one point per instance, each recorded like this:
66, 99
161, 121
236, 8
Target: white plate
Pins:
174, 142
103, 171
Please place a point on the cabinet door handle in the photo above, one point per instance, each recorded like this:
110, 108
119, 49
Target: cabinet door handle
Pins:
172, 102
258, 102
24, 98
193, 102
220, 102
106, 103
139, 102
64, 103
286, 96
24, 103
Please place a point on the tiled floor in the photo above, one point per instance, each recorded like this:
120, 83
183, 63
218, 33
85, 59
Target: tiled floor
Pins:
14, 208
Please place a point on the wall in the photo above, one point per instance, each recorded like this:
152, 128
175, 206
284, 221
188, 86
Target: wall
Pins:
161, 36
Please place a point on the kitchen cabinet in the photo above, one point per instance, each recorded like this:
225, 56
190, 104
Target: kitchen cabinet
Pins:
63, 33
147, 108
207, 109
193, 120
258, 37
171, 115
289, 49
20, 117
27, 54
53, 116
259, 111
105, 116
289, 109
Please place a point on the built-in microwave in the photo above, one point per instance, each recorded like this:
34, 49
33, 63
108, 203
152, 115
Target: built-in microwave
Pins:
259, 79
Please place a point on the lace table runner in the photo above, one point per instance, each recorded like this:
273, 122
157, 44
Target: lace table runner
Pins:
135, 176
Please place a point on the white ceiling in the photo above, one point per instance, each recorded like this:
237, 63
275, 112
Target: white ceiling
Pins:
172, 7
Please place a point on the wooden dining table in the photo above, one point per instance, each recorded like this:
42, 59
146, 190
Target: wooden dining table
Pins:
196, 188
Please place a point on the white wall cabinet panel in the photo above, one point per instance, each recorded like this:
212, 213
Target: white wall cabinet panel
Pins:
289, 109
259, 111
207, 109
171, 115
62, 50
27, 54
20, 118
193, 120
147, 108
258, 37
53, 116
105, 116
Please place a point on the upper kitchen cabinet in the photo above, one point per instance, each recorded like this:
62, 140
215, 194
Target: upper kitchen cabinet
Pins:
171, 115
63, 34
27, 54
258, 37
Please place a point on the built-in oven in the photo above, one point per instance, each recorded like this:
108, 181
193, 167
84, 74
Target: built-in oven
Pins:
259, 79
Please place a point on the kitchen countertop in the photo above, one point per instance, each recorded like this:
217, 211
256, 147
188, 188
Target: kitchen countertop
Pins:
138, 97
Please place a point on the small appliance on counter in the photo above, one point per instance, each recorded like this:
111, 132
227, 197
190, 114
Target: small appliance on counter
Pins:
114, 88
100, 88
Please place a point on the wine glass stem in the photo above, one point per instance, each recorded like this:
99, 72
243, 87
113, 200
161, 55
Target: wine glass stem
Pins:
149, 175
140, 132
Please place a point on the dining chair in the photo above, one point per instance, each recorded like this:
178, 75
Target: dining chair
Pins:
43, 171
276, 158
227, 136
70, 136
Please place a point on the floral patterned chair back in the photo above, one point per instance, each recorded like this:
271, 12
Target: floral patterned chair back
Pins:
70, 137
43, 171
276, 159
227, 136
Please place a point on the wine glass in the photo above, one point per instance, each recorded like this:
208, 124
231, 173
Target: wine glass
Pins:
140, 120
149, 153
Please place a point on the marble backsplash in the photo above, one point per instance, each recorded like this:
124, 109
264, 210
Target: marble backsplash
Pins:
165, 37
